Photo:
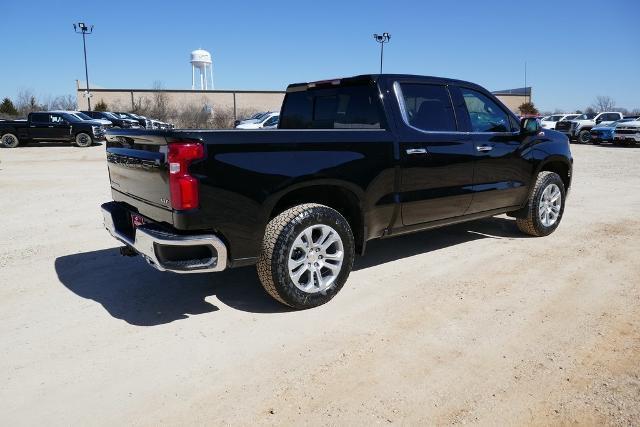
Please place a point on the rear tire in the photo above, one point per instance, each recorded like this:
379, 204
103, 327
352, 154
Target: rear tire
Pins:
545, 206
306, 255
9, 140
84, 140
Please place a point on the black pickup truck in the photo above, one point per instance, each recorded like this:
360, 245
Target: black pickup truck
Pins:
50, 126
354, 159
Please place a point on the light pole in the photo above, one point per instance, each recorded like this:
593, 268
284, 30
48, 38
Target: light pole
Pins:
382, 39
82, 28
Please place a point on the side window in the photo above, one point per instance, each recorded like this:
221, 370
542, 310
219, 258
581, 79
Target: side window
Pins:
428, 107
39, 118
485, 115
55, 118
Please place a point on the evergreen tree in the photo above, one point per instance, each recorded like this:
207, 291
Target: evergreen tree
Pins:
8, 108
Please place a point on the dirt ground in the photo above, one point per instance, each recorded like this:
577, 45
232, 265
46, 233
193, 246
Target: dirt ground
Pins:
474, 323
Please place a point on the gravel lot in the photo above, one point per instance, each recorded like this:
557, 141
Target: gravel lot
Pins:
473, 323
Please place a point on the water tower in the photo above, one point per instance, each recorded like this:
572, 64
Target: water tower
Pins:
201, 61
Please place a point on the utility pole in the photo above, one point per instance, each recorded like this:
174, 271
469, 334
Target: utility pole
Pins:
382, 39
82, 28
525, 83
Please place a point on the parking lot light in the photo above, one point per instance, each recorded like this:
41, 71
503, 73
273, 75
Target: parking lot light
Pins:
82, 28
382, 39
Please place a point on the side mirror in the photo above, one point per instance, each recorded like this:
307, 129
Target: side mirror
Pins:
599, 120
530, 125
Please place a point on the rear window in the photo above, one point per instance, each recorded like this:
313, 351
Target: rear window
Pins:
346, 107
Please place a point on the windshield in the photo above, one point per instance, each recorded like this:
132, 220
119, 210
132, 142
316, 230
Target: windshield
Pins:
571, 116
260, 117
586, 116
267, 117
71, 118
82, 116
109, 115
612, 124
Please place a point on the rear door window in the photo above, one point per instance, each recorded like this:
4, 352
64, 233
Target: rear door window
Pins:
485, 115
40, 118
428, 107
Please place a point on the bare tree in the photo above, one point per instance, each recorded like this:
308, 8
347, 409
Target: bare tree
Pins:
26, 102
635, 111
604, 103
64, 102
142, 106
223, 118
192, 116
160, 103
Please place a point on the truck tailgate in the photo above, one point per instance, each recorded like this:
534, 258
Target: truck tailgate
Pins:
137, 162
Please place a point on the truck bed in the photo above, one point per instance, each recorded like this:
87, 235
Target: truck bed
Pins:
244, 172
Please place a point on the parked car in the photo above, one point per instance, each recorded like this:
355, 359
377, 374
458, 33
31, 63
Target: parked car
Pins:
117, 122
271, 119
251, 118
604, 133
143, 122
549, 122
628, 132
353, 159
50, 126
580, 127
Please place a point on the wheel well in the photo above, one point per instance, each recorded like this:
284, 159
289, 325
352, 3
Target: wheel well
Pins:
338, 198
561, 169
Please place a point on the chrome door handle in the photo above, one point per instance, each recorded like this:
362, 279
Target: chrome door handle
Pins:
416, 151
484, 147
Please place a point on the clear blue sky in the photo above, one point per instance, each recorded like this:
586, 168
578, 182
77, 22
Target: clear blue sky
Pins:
575, 50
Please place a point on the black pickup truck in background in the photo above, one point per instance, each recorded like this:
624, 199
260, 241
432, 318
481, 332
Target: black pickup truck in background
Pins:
50, 126
354, 159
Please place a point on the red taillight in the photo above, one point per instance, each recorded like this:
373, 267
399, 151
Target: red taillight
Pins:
184, 187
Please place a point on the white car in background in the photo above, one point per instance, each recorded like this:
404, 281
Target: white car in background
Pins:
628, 132
549, 122
261, 123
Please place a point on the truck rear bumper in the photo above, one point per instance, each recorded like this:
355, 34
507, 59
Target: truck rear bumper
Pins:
198, 253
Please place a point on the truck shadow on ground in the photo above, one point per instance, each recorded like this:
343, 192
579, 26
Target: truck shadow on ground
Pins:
131, 290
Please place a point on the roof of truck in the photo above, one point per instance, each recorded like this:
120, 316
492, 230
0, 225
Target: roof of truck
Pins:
373, 78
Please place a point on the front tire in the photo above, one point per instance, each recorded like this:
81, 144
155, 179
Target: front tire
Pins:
9, 140
545, 206
306, 256
84, 140
584, 136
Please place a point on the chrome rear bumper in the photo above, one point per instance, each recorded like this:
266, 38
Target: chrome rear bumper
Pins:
162, 250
